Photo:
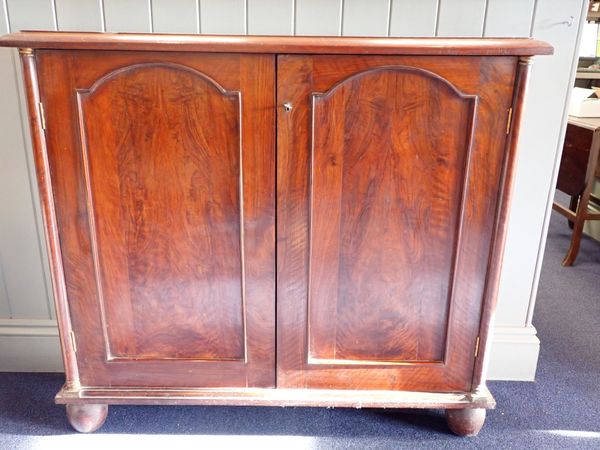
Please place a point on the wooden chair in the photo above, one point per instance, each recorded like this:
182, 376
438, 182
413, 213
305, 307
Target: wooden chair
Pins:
578, 170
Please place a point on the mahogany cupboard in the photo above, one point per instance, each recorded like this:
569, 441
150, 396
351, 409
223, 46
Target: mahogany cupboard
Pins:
274, 220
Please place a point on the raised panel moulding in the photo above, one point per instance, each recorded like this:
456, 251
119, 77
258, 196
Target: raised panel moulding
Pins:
356, 251
137, 268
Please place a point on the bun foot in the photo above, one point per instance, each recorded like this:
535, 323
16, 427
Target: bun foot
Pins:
465, 422
86, 418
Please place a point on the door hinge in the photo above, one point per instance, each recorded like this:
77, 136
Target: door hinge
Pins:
509, 120
477, 347
73, 343
42, 115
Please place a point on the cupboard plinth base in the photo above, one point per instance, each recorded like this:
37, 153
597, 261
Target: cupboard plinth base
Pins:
465, 422
277, 397
87, 406
86, 417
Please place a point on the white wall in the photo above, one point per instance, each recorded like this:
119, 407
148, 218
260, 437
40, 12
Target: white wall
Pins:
28, 338
516, 345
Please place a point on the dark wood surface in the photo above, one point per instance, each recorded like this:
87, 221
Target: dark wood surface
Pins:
276, 44
579, 165
574, 160
87, 417
500, 221
158, 175
169, 258
465, 422
346, 398
49, 216
387, 196
382, 237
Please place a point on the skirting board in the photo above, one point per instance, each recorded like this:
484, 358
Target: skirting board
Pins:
514, 354
29, 346
33, 346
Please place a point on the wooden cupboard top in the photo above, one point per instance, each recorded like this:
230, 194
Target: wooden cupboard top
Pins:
277, 44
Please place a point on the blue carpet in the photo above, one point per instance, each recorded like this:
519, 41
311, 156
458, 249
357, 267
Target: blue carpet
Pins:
560, 410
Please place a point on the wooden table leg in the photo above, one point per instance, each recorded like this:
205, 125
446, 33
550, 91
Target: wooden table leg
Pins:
573, 207
582, 207
577, 231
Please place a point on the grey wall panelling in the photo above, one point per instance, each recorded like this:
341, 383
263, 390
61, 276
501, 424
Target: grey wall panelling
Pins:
362, 18
31, 15
128, 15
223, 16
540, 144
5, 61
22, 254
3, 17
21, 263
4, 305
508, 18
28, 334
540, 147
79, 15
413, 18
461, 17
319, 17
271, 16
175, 16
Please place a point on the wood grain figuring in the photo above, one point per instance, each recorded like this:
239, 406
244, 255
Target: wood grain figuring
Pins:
277, 44
574, 160
157, 138
154, 209
447, 337
158, 176
382, 236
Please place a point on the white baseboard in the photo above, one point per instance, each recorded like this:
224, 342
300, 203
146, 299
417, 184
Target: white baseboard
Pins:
29, 345
33, 346
514, 354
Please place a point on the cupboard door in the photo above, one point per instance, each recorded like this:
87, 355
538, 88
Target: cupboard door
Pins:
388, 180
162, 168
